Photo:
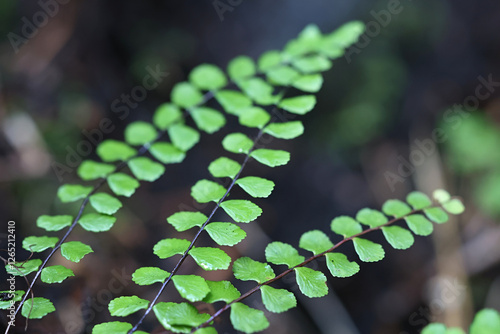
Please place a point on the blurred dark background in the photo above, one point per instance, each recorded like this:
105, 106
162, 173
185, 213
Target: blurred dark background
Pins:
415, 107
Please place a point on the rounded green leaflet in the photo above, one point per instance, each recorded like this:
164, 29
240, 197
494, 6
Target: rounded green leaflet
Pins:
166, 115
295, 48
179, 317
56, 274
209, 258
441, 195
169, 247
454, 206
246, 269
92, 170
371, 218
311, 35
247, 319
237, 143
191, 287
111, 150
486, 321
269, 59
256, 186
340, 266
241, 211
167, 153
309, 83
331, 50
282, 75
315, 241
396, 208
224, 167
282, 253
221, 291
312, 64
37, 308
205, 191
298, 105
126, 305
368, 251
96, 222
146, 169
277, 300
288, 130
271, 158
185, 220
232, 101
149, 275
185, 95
419, 225
241, 67
434, 328
309, 40
140, 133
75, 250
398, 237
6, 304
207, 77
225, 234
183, 137
122, 184
418, 200
345, 226
258, 90
54, 223
254, 117
72, 192
105, 203
23, 268
311, 283
346, 34
39, 244
114, 327
208, 119
437, 215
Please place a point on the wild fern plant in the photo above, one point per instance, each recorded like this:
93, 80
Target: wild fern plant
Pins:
257, 94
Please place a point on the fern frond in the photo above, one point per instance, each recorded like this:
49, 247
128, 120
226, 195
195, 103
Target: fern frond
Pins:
312, 283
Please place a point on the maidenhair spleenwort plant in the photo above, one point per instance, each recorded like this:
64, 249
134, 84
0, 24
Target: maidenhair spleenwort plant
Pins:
250, 89
255, 93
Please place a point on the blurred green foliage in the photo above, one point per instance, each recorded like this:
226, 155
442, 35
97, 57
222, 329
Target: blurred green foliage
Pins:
473, 151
